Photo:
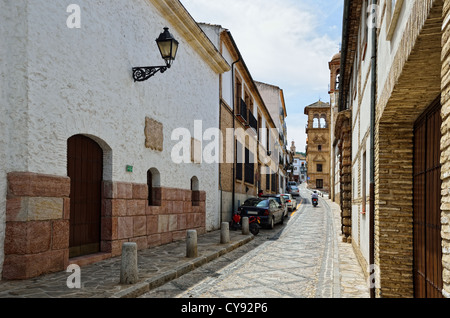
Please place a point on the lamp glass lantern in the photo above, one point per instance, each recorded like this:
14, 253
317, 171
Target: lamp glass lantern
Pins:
168, 46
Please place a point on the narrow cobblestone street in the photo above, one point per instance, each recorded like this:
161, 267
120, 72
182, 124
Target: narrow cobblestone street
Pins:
305, 259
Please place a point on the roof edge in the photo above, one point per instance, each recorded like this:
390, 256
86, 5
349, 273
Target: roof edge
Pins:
184, 23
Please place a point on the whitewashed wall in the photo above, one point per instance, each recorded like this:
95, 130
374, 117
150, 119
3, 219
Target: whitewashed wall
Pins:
13, 103
58, 82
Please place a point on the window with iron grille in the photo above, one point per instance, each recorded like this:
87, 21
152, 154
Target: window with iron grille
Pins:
274, 182
249, 167
238, 160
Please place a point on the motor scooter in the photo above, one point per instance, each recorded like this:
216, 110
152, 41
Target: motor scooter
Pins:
315, 201
253, 223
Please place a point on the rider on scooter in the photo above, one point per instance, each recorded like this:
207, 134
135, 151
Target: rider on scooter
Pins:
315, 196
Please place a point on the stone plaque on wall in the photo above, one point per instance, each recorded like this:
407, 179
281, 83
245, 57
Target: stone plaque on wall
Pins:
154, 137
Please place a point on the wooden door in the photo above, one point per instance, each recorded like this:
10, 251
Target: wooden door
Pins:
85, 169
427, 200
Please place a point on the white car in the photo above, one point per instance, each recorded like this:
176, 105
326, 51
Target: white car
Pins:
294, 191
290, 201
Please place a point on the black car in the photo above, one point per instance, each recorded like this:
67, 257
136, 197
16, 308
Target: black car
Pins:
280, 199
268, 210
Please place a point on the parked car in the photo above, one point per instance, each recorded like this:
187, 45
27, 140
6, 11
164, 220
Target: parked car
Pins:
267, 209
280, 199
292, 183
290, 201
294, 191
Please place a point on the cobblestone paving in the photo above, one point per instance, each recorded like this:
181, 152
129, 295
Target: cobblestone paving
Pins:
157, 266
302, 258
306, 259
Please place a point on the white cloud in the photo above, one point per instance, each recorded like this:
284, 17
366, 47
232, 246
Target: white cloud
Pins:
287, 43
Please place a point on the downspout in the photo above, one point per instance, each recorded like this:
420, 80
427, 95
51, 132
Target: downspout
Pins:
234, 127
373, 102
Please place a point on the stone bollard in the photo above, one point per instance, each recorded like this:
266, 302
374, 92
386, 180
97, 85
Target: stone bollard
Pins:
225, 233
129, 267
245, 226
191, 244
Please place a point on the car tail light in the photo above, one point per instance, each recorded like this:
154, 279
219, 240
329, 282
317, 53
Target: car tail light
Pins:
266, 212
288, 201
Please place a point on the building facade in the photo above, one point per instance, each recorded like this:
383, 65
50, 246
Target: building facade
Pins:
318, 145
394, 95
250, 148
90, 158
273, 97
335, 185
298, 165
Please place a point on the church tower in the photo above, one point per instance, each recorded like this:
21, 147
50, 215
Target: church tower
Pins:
318, 145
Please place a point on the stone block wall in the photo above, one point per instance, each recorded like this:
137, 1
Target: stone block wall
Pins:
37, 225
38, 221
127, 217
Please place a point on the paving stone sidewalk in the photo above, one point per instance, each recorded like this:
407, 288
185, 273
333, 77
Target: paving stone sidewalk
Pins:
157, 266
162, 264
353, 281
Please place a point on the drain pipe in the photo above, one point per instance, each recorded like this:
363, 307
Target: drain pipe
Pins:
234, 142
373, 104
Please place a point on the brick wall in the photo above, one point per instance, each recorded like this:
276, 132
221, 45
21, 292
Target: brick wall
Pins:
394, 209
402, 98
445, 148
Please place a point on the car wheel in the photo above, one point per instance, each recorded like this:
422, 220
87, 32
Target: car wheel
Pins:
271, 224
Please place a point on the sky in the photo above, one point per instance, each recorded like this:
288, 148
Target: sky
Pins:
286, 43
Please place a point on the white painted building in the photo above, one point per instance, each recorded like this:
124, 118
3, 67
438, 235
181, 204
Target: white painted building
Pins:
59, 81
274, 99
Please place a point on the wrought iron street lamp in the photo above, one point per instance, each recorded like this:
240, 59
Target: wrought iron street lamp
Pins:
168, 48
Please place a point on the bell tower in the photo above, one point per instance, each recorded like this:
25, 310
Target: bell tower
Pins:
318, 145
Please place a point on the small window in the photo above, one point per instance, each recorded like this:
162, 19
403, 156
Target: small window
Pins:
195, 193
319, 147
319, 167
154, 187
319, 183
239, 160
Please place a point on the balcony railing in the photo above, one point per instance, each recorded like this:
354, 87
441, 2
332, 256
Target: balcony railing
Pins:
252, 121
242, 112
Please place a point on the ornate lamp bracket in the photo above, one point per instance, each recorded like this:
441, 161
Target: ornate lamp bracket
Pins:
141, 74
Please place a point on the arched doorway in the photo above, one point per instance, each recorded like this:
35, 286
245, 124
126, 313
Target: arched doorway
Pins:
85, 170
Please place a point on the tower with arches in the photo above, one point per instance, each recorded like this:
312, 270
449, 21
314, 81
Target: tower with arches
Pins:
318, 145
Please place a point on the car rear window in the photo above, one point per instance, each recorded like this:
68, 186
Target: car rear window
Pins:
252, 202
263, 204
